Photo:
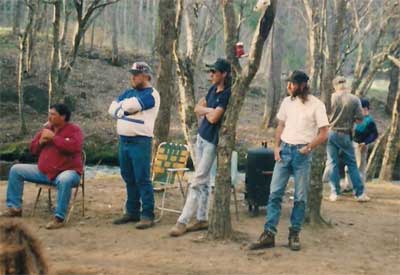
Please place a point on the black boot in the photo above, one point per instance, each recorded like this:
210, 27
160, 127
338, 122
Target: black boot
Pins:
294, 240
125, 219
266, 240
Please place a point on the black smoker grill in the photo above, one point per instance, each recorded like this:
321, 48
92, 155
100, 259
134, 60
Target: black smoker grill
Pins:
260, 164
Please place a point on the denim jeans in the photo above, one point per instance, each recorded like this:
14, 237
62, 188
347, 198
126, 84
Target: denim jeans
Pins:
342, 142
292, 163
19, 173
199, 191
134, 161
362, 160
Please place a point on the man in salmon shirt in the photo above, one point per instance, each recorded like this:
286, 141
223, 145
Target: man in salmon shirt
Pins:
59, 148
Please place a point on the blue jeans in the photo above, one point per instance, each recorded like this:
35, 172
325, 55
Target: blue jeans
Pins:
134, 161
199, 191
19, 173
296, 164
342, 142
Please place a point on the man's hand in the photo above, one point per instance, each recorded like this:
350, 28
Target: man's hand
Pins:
305, 150
46, 136
277, 153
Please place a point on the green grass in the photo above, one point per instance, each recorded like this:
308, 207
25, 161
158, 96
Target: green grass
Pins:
7, 40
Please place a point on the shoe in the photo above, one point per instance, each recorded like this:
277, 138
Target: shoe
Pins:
144, 224
294, 240
178, 230
55, 223
11, 213
198, 225
333, 197
126, 219
363, 198
266, 240
347, 190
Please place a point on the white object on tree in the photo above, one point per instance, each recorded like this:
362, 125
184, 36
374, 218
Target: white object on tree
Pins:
262, 5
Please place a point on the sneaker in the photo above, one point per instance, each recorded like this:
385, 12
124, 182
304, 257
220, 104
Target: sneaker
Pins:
363, 198
11, 213
178, 230
198, 225
294, 240
144, 224
266, 240
333, 197
55, 223
126, 219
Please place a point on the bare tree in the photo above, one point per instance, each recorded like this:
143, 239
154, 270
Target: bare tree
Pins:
114, 35
220, 223
394, 74
167, 34
61, 65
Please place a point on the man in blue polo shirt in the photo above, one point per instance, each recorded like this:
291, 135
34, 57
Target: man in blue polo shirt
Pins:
135, 111
210, 109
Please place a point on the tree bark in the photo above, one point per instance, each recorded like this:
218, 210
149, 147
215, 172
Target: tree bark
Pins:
114, 35
392, 146
220, 223
394, 75
18, 15
167, 34
376, 157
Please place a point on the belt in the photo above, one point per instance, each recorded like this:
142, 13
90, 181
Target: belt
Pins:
297, 146
134, 139
345, 132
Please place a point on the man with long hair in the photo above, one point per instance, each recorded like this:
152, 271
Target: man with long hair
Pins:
302, 126
211, 109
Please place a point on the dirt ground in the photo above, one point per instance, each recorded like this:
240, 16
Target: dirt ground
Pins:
363, 239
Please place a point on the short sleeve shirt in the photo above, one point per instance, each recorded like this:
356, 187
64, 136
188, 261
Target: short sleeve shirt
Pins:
346, 109
207, 130
302, 120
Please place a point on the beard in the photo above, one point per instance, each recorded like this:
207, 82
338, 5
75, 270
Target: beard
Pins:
138, 85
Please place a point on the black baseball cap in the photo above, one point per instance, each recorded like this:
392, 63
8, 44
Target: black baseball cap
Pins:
297, 77
364, 103
221, 65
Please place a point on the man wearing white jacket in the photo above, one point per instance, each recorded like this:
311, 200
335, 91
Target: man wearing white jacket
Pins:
135, 111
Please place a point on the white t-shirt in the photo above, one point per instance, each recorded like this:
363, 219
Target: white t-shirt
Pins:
302, 121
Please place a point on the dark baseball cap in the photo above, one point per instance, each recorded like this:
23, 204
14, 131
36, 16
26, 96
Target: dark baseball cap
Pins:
364, 103
221, 65
297, 77
141, 68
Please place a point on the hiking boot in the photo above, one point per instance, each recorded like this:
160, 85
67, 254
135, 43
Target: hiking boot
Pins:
178, 230
144, 224
55, 223
126, 219
294, 240
266, 240
11, 213
198, 225
363, 198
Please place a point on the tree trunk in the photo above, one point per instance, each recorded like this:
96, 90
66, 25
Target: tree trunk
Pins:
392, 146
92, 38
394, 75
376, 156
18, 16
220, 223
114, 35
55, 91
166, 77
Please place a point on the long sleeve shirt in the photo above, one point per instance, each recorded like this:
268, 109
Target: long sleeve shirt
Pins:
366, 132
63, 152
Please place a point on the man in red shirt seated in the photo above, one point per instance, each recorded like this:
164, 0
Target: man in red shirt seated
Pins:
59, 147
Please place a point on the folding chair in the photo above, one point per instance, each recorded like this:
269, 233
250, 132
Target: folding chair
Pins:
72, 202
169, 164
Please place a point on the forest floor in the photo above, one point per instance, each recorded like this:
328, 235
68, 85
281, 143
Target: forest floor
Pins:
362, 238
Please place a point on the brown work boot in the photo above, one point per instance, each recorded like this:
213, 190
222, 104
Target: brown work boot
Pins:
294, 240
198, 225
11, 213
55, 223
144, 224
178, 230
266, 240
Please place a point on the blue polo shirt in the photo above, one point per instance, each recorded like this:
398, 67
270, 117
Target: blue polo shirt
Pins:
207, 130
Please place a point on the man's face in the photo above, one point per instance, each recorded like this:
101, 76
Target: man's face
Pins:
138, 81
217, 77
55, 118
293, 88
